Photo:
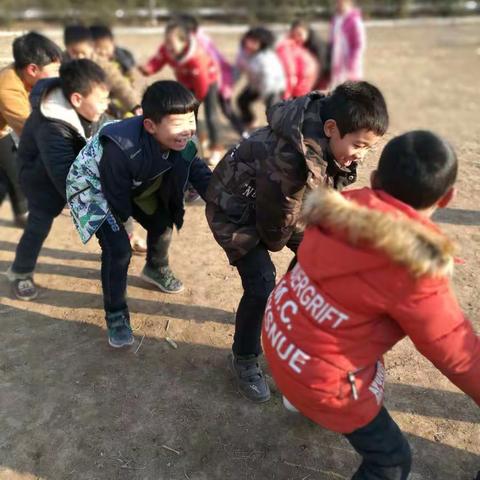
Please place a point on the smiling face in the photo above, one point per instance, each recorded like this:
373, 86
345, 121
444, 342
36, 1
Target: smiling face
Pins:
105, 47
78, 50
174, 131
352, 147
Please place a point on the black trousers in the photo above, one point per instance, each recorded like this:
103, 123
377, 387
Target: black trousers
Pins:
384, 450
116, 253
9, 184
36, 231
230, 114
210, 104
247, 98
257, 272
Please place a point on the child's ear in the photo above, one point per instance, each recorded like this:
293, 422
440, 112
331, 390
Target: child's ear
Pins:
447, 198
329, 127
76, 99
149, 125
32, 69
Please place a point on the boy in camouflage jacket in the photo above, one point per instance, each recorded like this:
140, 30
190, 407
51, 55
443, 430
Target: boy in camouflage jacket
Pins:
256, 192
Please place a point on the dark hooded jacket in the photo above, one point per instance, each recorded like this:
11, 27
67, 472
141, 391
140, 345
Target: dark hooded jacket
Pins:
52, 137
256, 191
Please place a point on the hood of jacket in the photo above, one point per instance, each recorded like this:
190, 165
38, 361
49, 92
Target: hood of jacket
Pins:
368, 229
48, 98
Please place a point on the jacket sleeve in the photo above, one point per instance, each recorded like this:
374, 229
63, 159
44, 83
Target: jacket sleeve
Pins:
432, 318
120, 86
116, 180
200, 176
57, 152
15, 108
155, 63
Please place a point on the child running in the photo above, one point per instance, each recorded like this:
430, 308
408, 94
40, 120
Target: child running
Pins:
35, 57
256, 192
138, 168
196, 70
372, 269
65, 112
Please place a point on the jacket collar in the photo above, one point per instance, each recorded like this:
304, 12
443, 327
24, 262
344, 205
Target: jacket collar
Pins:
376, 220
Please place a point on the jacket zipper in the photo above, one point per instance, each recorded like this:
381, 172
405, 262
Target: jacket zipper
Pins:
78, 193
353, 386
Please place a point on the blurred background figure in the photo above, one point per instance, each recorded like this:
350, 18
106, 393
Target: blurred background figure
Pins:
195, 69
348, 40
35, 57
265, 74
301, 66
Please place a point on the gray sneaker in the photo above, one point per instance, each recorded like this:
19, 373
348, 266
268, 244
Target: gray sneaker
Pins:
250, 379
24, 288
119, 330
163, 278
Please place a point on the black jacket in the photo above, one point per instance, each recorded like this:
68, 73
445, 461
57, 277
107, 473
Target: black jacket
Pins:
51, 139
132, 160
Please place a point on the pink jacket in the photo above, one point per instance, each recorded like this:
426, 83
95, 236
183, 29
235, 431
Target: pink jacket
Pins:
301, 67
348, 45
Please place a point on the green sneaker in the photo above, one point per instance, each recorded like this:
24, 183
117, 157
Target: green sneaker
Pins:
163, 278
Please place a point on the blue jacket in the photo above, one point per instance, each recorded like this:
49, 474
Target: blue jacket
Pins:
127, 161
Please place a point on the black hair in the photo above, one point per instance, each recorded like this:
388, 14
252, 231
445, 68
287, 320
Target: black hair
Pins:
35, 48
188, 21
263, 35
99, 32
356, 106
417, 168
76, 34
167, 97
80, 76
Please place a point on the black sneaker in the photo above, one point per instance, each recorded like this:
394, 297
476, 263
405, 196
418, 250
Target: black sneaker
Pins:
250, 379
24, 288
119, 330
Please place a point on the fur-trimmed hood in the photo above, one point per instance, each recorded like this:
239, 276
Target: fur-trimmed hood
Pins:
371, 221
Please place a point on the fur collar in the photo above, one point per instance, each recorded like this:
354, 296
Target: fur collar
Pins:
55, 106
422, 250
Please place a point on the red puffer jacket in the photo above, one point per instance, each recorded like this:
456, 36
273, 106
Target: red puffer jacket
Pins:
370, 271
196, 70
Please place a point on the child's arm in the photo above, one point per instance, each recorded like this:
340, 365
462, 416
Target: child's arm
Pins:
199, 176
432, 318
120, 87
155, 63
116, 180
15, 108
56, 147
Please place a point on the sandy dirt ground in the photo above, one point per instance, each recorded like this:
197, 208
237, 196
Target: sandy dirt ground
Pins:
72, 408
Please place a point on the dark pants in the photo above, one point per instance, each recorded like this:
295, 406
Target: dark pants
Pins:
210, 104
385, 451
9, 184
116, 253
36, 231
247, 98
257, 272
229, 113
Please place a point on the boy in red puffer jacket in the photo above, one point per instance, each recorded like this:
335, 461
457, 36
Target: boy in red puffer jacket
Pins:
372, 269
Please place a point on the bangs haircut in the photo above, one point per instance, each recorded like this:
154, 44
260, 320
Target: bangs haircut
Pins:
35, 48
76, 34
99, 32
167, 97
418, 168
80, 76
262, 35
356, 106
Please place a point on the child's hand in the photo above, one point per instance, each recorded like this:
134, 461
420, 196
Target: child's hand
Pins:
143, 70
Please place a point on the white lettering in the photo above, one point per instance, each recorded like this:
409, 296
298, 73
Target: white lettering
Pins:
297, 360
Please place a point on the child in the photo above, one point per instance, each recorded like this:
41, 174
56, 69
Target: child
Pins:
372, 269
255, 196
301, 67
347, 37
35, 57
65, 111
137, 167
265, 74
104, 44
79, 44
194, 69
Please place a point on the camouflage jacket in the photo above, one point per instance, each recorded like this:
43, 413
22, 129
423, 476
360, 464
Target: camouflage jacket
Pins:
256, 191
